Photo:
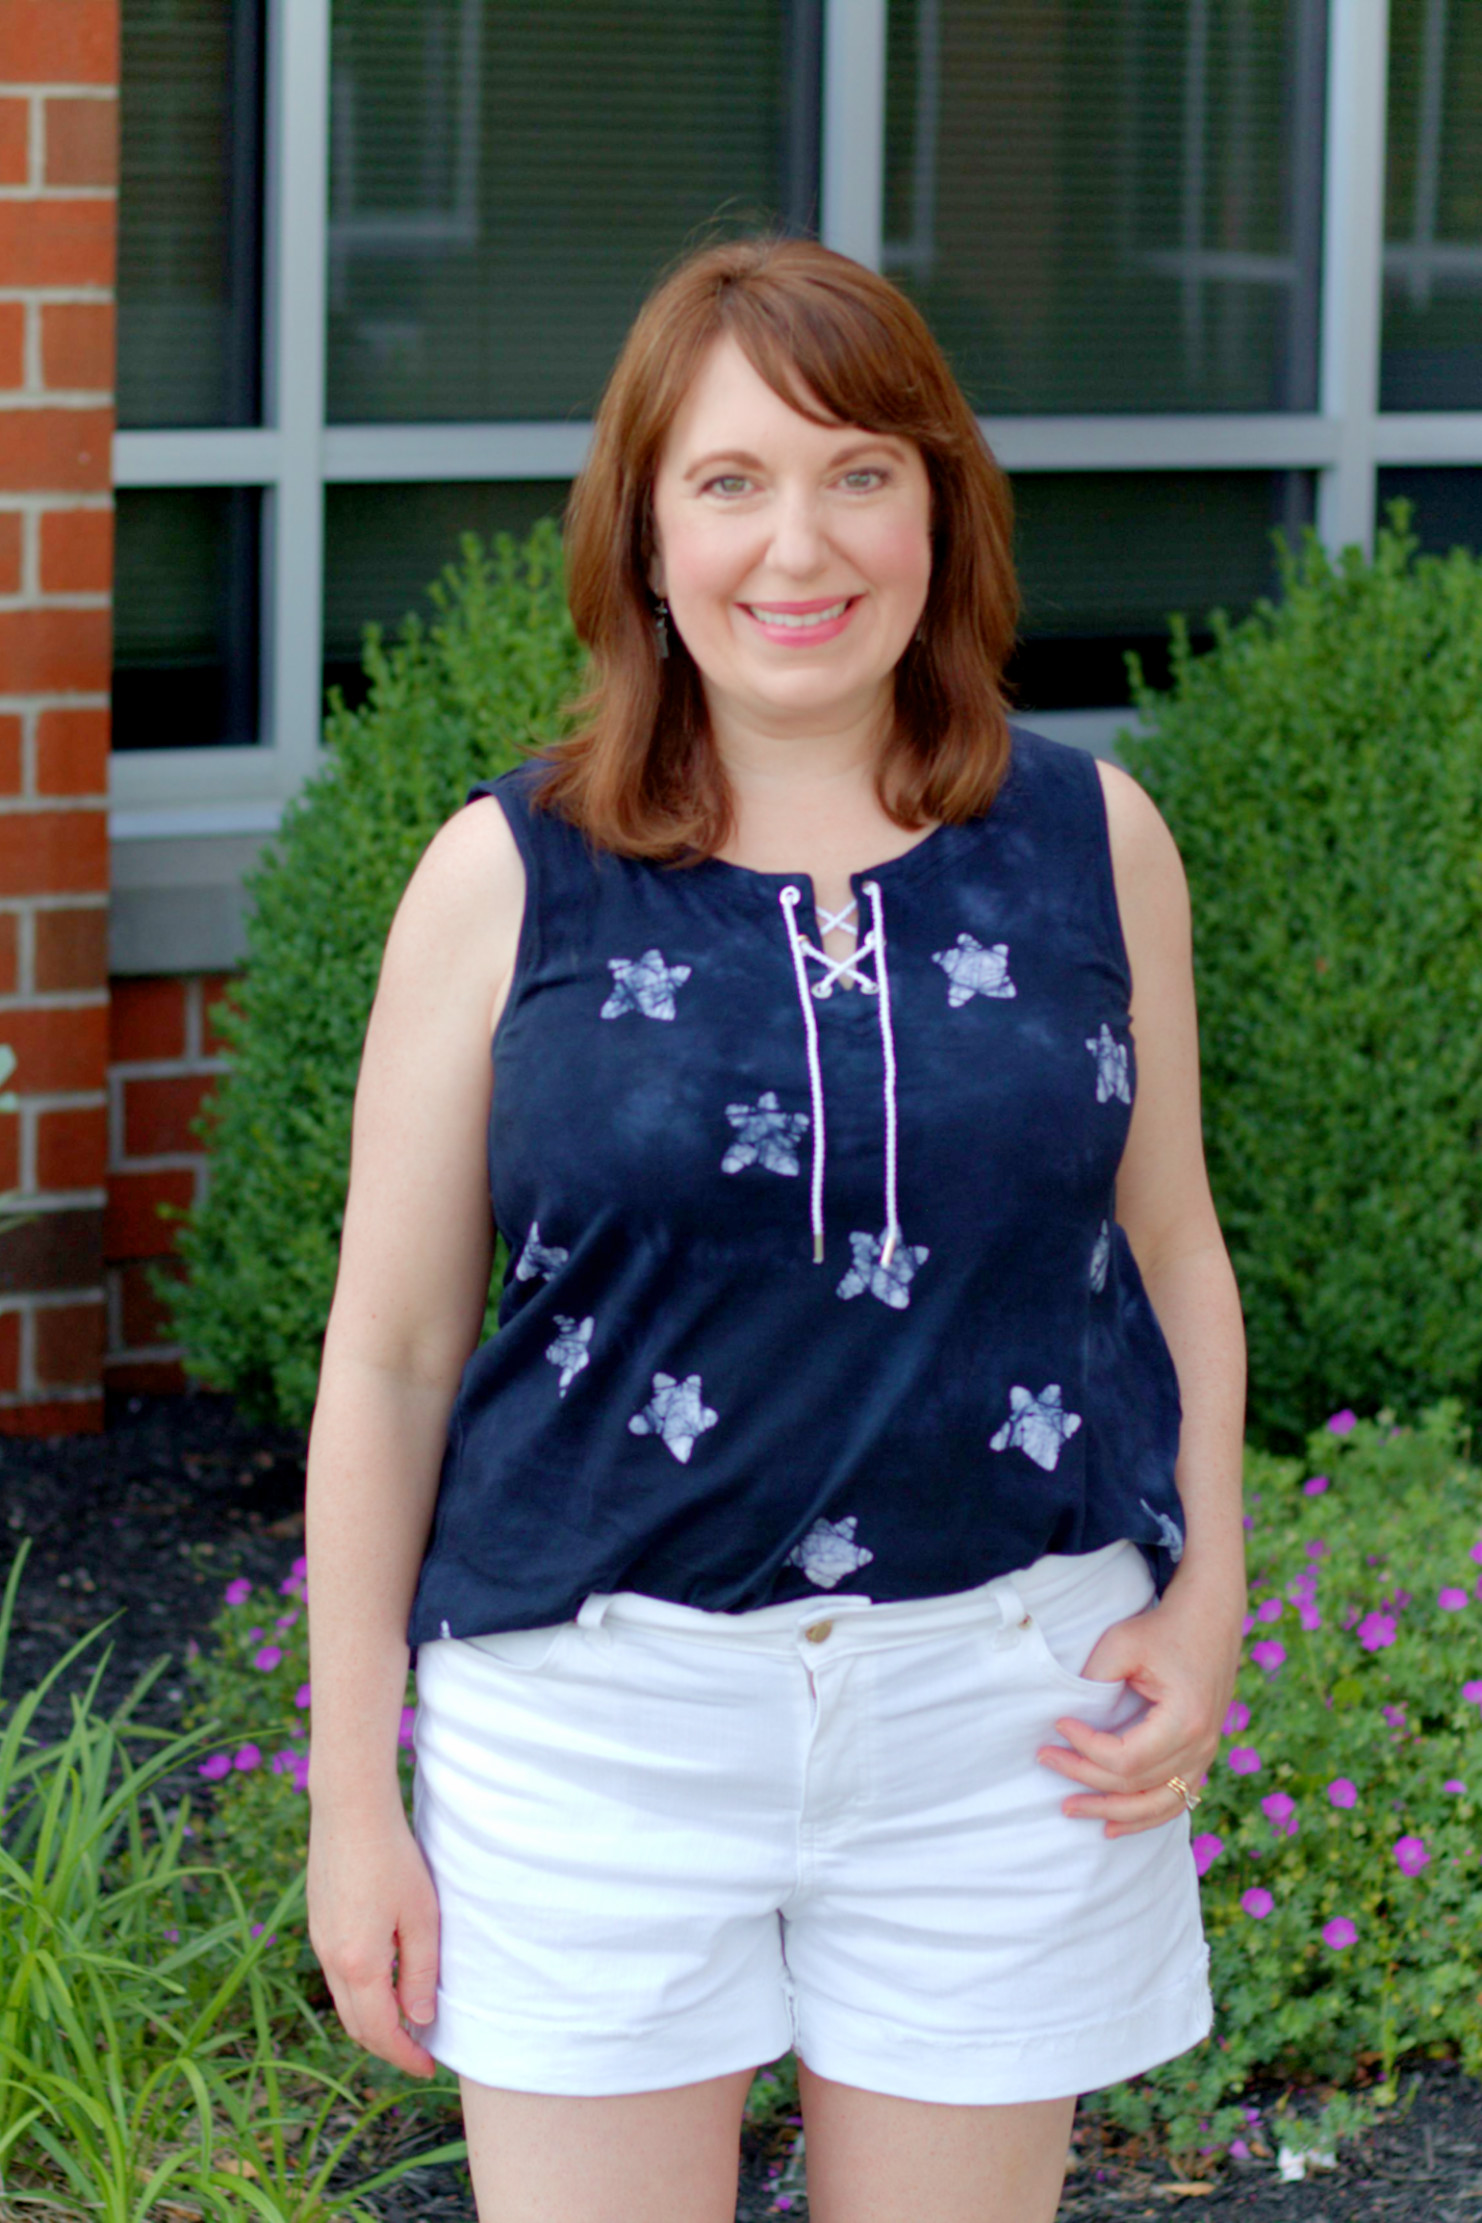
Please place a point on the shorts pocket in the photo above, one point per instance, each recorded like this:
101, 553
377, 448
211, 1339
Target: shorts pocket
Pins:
526, 1650
1063, 1674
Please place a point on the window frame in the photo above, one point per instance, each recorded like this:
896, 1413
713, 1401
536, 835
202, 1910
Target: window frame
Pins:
296, 454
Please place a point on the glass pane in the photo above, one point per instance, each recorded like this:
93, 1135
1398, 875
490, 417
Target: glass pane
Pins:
190, 246
507, 180
1105, 556
1432, 354
185, 617
1446, 505
383, 545
1111, 204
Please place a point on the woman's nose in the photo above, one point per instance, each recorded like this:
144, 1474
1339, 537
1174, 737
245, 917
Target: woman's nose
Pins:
797, 536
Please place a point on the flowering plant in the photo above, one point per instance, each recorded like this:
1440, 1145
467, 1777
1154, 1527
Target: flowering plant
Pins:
1338, 1839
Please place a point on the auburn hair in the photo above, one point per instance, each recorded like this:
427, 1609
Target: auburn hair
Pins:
640, 772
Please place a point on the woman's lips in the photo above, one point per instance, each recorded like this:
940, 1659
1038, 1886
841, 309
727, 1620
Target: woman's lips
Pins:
797, 624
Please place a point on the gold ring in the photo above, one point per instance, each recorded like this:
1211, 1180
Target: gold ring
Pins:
1190, 1798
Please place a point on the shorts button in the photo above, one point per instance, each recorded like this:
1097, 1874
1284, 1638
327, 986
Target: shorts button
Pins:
816, 1631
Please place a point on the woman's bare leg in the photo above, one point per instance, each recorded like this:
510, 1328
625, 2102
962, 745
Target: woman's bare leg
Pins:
873, 2159
640, 2157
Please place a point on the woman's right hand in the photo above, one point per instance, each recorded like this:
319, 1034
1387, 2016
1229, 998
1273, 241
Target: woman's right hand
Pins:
371, 1904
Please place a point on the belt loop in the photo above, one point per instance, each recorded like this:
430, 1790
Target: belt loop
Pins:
1013, 1612
593, 1609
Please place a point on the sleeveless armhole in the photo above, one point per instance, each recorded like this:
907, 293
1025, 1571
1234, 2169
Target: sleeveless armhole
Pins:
507, 792
1106, 879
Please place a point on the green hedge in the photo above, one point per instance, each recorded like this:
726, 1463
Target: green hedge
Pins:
451, 702
1321, 769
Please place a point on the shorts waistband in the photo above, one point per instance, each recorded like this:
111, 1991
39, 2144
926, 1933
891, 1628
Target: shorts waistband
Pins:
1001, 1603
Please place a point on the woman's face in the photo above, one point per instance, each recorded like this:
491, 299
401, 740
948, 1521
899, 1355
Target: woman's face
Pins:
795, 557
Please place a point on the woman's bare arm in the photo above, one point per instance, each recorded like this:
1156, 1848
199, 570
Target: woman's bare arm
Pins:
408, 1305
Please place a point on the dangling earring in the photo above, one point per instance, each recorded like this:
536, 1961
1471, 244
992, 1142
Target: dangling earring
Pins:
661, 625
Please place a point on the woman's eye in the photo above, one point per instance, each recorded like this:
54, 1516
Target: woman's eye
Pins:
864, 480
731, 482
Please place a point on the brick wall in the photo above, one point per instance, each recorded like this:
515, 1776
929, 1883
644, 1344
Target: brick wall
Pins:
164, 1060
58, 137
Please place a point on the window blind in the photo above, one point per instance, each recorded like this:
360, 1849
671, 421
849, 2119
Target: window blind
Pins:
1432, 329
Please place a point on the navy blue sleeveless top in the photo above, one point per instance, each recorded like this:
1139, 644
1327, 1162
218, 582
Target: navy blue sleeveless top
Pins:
812, 1288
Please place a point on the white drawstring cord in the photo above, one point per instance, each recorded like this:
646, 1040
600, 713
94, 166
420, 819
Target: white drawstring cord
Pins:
789, 899
802, 950
887, 1051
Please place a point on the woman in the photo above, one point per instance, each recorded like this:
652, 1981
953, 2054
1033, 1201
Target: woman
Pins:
786, 1667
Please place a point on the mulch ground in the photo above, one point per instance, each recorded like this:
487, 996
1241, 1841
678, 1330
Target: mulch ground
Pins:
150, 1521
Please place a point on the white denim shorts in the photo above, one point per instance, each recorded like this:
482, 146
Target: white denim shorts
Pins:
669, 1844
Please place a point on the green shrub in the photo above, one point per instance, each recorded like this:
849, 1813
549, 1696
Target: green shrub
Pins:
450, 703
1348, 1787
1321, 770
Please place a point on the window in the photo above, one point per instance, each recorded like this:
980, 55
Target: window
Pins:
185, 634
1433, 208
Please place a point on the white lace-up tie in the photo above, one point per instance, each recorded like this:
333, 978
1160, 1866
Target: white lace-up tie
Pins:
846, 969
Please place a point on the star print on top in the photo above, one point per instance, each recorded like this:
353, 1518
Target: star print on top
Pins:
1111, 1067
569, 1350
1101, 1259
892, 1283
765, 1136
828, 1552
1040, 1426
539, 1260
644, 984
677, 1413
1168, 1529
972, 970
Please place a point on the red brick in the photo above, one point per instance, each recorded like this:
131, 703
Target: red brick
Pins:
72, 752
12, 343
57, 243
10, 1151
15, 142
216, 988
142, 1314
81, 141
10, 551
54, 451
147, 1021
132, 1227
8, 962
79, 346
57, 1050
10, 1351
145, 1378
68, 1344
158, 1113
53, 651
72, 1148
76, 551
71, 950
53, 852
10, 754
72, 1416
59, 42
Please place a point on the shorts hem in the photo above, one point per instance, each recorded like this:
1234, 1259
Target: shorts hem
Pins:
580, 2064
920, 2065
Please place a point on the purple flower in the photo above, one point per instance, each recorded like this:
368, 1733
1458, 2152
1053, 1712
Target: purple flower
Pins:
1341, 1792
1339, 1933
1206, 1849
286, 1620
1236, 1719
1451, 1600
301, 1772
215, 1768
1269, 1654
284, 1760
1244, 1759
1376, 1631
246, 1757
1344, 1423
1309, 1616
1281, 1812
1247, 1624
1257, 1902
267, 1659
1411, 1855
301, 1697
1317, 1549
171, 1937
1269, 1609
1476, 1551
290, 1587
1472, 1692
1316, 1486
1394, 1715
1302, 1589
253, 1636
238, 1592
1239, 2151
1455, 1785
408, 1723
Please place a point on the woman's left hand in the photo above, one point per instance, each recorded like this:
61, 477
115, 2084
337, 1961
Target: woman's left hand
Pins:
1181, 1656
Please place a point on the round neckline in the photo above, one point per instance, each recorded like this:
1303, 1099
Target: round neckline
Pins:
921, 857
